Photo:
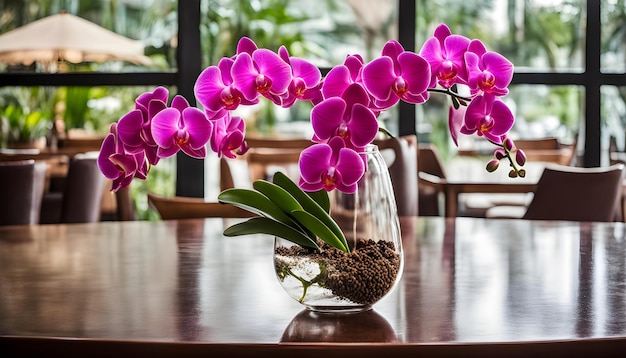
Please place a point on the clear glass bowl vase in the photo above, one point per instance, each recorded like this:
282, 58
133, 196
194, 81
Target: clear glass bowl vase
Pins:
330, 280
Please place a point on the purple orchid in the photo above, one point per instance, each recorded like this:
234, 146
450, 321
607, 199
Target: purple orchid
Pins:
346, 106
305, 80
489, 72
117, 165
342, 76
489, 117
347, 117
134, 127
262, 73
228, 136
216, 91
330, 166
396, 75
456, 118
181, 128
445, 53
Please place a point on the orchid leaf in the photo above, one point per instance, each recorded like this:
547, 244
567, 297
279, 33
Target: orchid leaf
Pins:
264, 225
281, 197
255, 202
311, 205
321, 198
306, 199
317, 227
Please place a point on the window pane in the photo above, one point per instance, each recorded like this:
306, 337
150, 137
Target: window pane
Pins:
322, 31
153, 23
536, 35
613, 19
613, 111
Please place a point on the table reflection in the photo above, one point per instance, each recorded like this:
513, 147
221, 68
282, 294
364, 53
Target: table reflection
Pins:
367, 326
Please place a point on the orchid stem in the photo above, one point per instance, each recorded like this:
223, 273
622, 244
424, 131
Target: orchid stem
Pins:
450, 93
507, 154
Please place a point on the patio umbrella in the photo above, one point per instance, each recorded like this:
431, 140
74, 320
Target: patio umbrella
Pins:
65, 37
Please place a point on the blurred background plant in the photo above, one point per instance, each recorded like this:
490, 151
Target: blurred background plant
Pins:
26, 114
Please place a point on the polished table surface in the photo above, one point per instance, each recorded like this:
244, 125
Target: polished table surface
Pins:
471, 288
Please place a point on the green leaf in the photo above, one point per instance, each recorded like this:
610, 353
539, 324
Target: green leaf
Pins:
311, 205
278, 195
263, 225
321, 198
317, 227
254, 202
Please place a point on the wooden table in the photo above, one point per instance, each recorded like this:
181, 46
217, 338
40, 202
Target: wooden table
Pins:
470, 288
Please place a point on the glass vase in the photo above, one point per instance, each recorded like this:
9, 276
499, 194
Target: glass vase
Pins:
330, 280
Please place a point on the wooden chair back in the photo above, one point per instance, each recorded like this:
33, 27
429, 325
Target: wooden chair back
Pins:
79, 198
577, 194
21, 189
429, 162
538, 144
178, 207
82, 195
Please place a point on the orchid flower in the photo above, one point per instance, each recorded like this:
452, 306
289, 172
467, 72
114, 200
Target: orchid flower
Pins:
347, 117
117, 165
134, 127
228, 136
489, 72
305, 80
346, 105
262, 73
396, 75
489, 117
445, 54
181, 128
330, 166
342, 76
216, 91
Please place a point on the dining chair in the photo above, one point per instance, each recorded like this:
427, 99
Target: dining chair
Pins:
178, 207
572, 193
22, 185
266, 156
433, 188
80, 199
549, 150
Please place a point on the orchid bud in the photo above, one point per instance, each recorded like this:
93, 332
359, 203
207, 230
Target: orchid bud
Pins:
522, 173
499, 153
492, 165
508, 144
513, 173
520, 157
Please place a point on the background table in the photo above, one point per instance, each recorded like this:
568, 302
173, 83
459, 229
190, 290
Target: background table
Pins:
471, 287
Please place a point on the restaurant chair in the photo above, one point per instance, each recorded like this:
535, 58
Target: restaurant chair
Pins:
22, 185
80, 199
571, 193
178, 207
266, 156
549, 150
432, 185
